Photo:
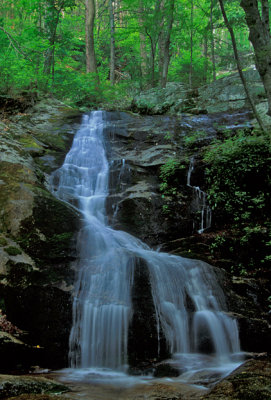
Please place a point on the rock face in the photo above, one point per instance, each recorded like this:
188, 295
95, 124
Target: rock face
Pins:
138, 148
37, 230
36, 239
224, 95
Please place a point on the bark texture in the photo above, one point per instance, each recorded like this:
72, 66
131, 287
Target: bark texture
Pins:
239, 67
259, 35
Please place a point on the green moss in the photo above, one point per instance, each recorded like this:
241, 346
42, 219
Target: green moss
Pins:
3, 241
29, 141
12, 250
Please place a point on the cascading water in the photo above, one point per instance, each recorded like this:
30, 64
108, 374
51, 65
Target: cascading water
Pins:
200, 202
188, 301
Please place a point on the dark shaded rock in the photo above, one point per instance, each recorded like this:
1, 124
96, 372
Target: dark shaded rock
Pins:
45, 314
14, 354
165, 369
11, 104
145, 344
247, 298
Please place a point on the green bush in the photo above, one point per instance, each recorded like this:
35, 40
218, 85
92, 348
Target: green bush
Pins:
12, 250
239, 183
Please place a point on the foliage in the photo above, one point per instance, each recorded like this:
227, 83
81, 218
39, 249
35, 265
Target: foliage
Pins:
170, 177
167, 175
30, 30
3, 241
13, 251
194, 138
239, 183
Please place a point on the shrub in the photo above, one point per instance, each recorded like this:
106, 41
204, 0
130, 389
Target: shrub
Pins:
12, 250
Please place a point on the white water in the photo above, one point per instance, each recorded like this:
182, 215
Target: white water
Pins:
102, 306
200, 202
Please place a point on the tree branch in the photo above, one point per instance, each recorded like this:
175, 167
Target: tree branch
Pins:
15, 44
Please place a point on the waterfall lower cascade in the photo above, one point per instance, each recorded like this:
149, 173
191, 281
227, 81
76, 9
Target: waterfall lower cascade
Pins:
189, 304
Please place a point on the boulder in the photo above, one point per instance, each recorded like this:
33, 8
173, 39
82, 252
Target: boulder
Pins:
228, 94
158, 101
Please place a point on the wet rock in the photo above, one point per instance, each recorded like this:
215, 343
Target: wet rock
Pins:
11, 385
145, 344
251, 381
138, 148
165, 369
246, 297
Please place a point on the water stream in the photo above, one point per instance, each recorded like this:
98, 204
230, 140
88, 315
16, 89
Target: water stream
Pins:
189, 304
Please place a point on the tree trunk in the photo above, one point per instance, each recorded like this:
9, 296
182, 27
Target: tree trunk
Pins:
205, 55
143, 50
165, 56
91, 65
112, 43
212, 40
259, 35
52, 15
239, 67
191, 42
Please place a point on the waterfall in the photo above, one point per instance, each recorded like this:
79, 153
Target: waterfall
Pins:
200, 202
189, 304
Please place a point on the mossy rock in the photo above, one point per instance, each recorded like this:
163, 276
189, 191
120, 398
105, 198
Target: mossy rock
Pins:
16, 196
17, 385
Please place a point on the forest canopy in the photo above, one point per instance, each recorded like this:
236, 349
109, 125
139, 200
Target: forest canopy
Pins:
84, 51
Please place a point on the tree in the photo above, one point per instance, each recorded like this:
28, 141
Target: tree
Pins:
112, 42
52, 14
191, 42
91, 64
259, 35
212, 40
165, 42
239, 67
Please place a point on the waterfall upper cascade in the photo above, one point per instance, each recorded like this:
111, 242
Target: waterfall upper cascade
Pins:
189, 304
